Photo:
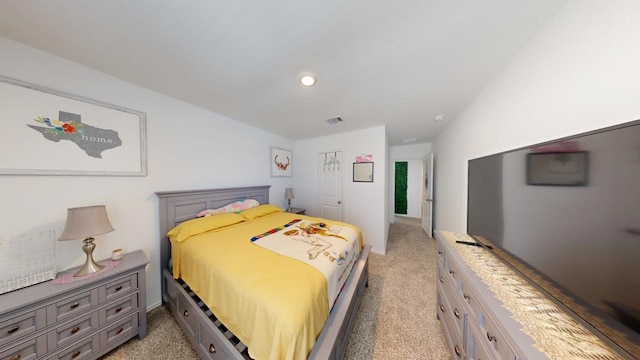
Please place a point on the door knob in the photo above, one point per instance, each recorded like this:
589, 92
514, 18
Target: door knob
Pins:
339, 202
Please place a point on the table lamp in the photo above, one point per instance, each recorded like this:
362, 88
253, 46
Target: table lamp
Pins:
85, 222
288, 194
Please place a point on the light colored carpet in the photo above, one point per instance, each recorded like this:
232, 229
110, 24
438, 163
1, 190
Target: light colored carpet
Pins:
396, 318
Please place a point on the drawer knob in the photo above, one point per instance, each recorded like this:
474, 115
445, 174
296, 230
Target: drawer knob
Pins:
442, 308
212, 349
119, 288
452, 272
456, 313
491, 337
466, 296
74, 305
118, 309
119, 331
16, 357
441, 279
186, 313
439, 252
75, 330
13, 329
457, 350
75, 354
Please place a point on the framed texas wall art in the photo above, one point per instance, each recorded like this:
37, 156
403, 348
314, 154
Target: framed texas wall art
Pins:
51, 132
281, 162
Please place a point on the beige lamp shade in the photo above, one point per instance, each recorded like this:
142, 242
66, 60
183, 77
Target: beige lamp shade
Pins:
288, 193
84, 223
87, 221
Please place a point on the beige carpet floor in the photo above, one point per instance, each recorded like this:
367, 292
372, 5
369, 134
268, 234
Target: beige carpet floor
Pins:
396, 318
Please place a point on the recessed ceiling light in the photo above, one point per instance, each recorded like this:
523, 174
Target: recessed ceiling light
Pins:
438, 118
410, 140
335, 120
307, 78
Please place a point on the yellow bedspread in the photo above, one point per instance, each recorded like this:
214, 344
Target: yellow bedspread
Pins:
274, 304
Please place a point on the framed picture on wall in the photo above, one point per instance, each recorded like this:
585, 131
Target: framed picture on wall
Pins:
281, 162
363, 172
51, 132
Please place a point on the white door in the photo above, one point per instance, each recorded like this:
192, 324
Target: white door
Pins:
427, 195
330, 185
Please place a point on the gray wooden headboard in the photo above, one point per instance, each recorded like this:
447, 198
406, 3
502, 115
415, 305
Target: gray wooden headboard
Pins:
179, 206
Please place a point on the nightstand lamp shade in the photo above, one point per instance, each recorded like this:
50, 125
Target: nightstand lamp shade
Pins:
86, 222
288, 194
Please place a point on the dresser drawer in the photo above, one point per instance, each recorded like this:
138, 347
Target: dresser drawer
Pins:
440, 251
172, 292
492, 338
456, 345
455, 310
118, 288
27, 350
212, 344
450, 291
451, 270
118, 309
71, 306
187, 316
470, 299
120, 330
22, 325
72, 331
475, 347
81, 350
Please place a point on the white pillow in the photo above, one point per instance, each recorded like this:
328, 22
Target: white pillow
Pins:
233, 207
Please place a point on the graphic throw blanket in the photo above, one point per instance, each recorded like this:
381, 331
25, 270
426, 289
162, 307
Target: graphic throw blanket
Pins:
331, 249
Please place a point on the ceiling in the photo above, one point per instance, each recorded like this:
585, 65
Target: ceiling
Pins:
379, 62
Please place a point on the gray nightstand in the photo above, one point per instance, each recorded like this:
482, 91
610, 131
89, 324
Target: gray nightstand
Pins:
297, 211
83, 319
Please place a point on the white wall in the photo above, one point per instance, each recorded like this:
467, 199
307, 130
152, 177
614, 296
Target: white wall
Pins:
415, 155
580, 73
188, 148
363, 203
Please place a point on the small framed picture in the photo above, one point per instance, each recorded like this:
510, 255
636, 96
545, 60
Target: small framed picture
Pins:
281, 162
558, 168
363, 172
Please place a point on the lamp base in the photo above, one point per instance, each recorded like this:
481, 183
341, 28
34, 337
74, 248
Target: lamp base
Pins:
89, 266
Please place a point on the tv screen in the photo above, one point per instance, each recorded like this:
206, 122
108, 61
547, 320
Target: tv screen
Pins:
568, 211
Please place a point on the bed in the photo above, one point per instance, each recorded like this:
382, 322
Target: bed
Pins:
206, 330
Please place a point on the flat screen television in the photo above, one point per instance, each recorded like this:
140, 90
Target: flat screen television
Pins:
566, 213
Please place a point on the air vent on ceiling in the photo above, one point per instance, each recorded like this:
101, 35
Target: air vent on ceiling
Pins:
335, 120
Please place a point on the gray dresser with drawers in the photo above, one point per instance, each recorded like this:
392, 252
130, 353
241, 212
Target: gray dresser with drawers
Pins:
83, 319
488, 311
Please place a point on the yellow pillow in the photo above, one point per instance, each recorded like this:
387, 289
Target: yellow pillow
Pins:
189, 228
258, 211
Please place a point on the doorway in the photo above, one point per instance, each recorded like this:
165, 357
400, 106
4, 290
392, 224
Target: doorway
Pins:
413, 190
427, 195
330, 185
407, 187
